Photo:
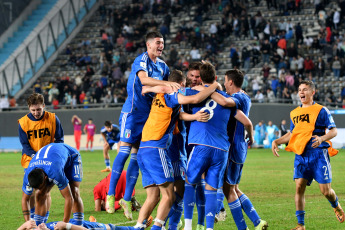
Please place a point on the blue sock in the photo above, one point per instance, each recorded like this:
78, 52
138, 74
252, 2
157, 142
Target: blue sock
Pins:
155, 227
118, 164
236, 211
335, 203
300, 216
46, 217
249, 209
113, 227
175, 218
39, 219
220, 199
210, 207
32, 213
131, 177
200, 201
107, 163
78, 217
189, 200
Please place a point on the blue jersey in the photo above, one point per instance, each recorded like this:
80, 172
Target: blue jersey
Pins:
324, 121
114, 134
236, 131
86, 224
53, 159
214, 132
171, 101
136, 102
177, 150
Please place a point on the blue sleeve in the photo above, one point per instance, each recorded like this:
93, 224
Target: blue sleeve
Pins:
59, 178
140, 65
292, 126
187, 91
171, 100
325, 119
26, 188
23, 138
237, 102
59, 136
166, 73
103, 130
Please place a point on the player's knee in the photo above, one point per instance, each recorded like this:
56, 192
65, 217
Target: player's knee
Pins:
327, 192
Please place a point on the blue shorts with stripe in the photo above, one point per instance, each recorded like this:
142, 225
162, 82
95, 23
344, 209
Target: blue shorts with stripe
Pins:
131, 126
155, 166
75, 171
207, 159
313, 164
233, 173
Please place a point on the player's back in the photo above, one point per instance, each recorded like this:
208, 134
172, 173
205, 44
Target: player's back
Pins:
135, 101
214, 132
236, 131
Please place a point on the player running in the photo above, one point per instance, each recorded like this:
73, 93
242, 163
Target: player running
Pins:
147, 69
308, 140
111, 135
55, 164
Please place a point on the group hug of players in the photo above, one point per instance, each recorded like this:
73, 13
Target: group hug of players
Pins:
180, 150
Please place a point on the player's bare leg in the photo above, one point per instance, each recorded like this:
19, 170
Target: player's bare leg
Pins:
106, 148
168, 198
152, 199
329, 193
78, 206
301, 185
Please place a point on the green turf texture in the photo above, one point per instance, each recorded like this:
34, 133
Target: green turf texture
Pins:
266, 180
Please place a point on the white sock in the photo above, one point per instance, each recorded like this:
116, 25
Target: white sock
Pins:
187, 224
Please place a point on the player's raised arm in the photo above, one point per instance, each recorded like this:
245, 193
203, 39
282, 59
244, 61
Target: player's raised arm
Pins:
199, 97
223, 101
247, 123
282, 140
149, 81
66, 193
198, 116
157, 89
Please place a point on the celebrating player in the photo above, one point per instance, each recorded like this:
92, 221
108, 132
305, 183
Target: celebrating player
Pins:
308, 140
111, 135
37, 129
149, 70
89, 129
59, 164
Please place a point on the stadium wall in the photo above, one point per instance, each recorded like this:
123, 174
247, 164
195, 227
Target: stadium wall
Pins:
265, 112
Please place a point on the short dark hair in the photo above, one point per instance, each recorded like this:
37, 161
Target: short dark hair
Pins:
153, 34
236, 76
107, 124
311, 84
36, 177
35, 99
194, 66
207, 73
176, 76
90, 119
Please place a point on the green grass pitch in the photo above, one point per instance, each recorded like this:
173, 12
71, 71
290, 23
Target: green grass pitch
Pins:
266, 180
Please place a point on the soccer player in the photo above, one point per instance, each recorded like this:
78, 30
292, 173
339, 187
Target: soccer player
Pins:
101, 189
111, 135
194, 195
89, 129
210, 152
308, 140
148, 69
59, 164
37, 129
237, 200
76, 121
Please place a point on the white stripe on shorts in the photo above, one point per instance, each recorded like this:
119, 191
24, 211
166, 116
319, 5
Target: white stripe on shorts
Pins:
164, 163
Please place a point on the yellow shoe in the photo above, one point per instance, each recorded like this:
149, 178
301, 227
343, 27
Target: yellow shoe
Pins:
109, 205
92, 219
127, 208
299, 227
106, 170
339, 213
263, 225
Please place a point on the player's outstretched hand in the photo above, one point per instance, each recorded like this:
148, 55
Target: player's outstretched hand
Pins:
145, 89
250, 139
202, 116
275, 149
43, 226
60, 226
316, 141
174, 85
30, 224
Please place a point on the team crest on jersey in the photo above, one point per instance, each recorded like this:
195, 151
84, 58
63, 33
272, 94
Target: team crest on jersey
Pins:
127, 133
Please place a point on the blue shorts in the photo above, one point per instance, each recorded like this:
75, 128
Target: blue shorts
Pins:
75, 171
155, 166
210, 160
131, 126
111, 143
233, 173
313, 164
179, 168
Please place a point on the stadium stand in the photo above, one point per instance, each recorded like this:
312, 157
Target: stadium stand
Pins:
94, 67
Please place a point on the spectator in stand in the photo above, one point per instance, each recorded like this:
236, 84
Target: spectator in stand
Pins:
234, 57
255, 86
270, 95
286, 95
294, 65
89, 71
282, 43
289, 80
13, 102
246, 58
265, 50
265, 72
53, 93
295, 98
308, 65
320, 67
195, 54
83, 61
4, 103
283, 129
259, 97
173, 56
336, 66
274, 85
299, 33
292, 51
